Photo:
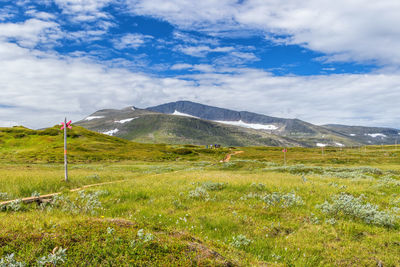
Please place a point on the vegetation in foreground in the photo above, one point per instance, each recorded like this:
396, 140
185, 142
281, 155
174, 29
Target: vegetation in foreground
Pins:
193, 210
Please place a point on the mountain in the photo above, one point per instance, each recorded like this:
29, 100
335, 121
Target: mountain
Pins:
300, 131
147, 126
237, 118
367, 135
186, 122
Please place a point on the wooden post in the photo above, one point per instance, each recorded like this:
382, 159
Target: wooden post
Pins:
65, 150
284, 156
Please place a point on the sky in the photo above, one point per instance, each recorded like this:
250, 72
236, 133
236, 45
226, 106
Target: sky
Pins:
321, 61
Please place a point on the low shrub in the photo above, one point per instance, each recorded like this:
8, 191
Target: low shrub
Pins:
183, 151
199, 193
283, 200
354, 207
240, 241
214, 186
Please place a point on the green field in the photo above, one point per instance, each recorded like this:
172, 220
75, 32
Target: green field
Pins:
180, 206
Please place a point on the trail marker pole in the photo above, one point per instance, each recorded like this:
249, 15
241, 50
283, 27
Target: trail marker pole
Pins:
284, 156
64, 127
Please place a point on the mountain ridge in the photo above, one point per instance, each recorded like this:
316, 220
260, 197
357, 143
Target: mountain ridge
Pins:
180, 123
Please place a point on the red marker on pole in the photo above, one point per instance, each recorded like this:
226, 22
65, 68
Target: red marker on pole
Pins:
64, 127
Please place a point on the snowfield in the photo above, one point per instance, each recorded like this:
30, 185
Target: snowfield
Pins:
250, 125
126, 120
184, 114
321, 145
374, 135
235, 123
93, 118
111, 132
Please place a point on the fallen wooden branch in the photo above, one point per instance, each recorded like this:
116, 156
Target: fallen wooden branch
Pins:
44, 198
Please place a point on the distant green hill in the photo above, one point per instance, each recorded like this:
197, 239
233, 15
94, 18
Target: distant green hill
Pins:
19, 144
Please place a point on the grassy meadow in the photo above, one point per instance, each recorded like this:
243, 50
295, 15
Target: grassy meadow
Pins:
181, 206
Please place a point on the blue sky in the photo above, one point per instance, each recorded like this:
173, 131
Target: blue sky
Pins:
319, 61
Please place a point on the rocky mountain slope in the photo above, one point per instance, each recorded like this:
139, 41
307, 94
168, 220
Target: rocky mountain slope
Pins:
191, 123
367, 135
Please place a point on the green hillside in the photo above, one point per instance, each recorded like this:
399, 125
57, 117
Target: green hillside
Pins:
19, 144
151, 127
161, 205
337, 208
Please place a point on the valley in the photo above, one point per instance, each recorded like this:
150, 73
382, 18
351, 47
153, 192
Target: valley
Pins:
180, 205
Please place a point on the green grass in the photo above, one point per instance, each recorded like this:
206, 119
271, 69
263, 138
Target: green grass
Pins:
188, 229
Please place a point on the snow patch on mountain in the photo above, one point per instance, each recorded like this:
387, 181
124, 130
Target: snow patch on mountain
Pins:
374, 135
111, 132
321, 145
93, 118
126, 120
250, 125
183, 114
352, 134
339, 144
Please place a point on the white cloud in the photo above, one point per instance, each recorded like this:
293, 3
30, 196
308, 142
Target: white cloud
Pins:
193, 39
181, 66
40, 15
345, 30
202, 50
31, 32
7, 12
44, 89
236, 58
131, 40
84, 10
196, 67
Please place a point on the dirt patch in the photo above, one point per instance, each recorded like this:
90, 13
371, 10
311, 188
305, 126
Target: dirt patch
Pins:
228, 157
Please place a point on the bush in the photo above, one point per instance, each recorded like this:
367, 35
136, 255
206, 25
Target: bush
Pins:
4, 196
214, 186
348, 205
240, 241
9, 261
183, 151
259, 186
199, 193
15, 205
87, 203
50, 131
283, 200
58, 255
355, 173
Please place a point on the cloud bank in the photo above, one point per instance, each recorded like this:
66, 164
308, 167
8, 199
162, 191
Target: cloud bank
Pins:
38, 91
361, 30
39, 85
